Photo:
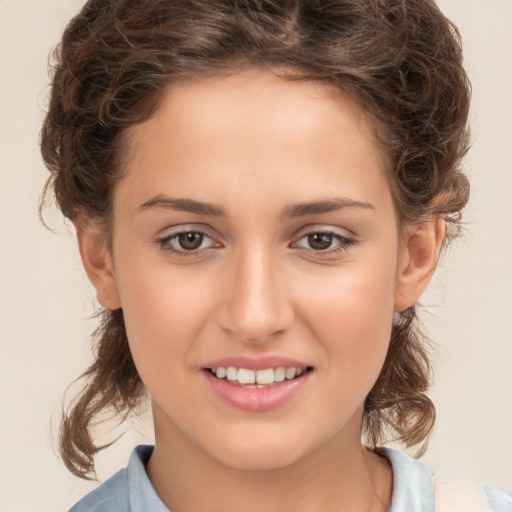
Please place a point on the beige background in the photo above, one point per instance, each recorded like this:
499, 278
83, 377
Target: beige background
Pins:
45, 300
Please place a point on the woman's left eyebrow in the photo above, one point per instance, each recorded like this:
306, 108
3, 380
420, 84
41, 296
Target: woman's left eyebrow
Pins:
328, 205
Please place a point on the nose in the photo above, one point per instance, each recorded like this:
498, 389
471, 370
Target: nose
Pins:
256, 307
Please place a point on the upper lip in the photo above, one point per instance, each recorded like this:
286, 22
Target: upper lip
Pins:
257, 363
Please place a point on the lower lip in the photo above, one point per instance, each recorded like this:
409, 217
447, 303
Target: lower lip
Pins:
257, 399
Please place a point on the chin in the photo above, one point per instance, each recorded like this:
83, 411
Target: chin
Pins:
259, 462
259, 453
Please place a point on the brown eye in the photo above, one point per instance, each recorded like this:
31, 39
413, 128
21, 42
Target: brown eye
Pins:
186, 243
324, 243
320, 241
190, 241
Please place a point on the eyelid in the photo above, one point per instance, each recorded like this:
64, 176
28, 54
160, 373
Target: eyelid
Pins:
324, 228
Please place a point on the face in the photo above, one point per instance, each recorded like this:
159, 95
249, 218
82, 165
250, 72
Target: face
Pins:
254, 235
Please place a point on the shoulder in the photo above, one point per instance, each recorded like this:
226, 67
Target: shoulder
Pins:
417, 489
129, 490
413, 483
498, 499
110, 496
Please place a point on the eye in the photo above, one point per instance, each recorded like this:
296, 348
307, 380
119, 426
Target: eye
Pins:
324, 241
190, 241
186, 243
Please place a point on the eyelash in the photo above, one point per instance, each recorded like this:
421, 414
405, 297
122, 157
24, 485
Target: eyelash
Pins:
164, 243
344, 243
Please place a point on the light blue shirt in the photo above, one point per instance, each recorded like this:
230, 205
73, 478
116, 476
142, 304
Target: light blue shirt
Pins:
130, 490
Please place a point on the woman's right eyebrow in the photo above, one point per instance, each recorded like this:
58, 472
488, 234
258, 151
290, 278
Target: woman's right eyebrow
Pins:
184, 205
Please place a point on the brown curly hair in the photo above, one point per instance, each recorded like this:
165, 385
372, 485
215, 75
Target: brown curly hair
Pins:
400, 60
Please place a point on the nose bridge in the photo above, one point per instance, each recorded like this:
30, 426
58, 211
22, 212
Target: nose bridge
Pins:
257, 306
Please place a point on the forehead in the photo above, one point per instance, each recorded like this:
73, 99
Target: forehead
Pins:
254, 129
244, 100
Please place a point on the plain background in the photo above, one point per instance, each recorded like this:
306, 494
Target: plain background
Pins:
46, 301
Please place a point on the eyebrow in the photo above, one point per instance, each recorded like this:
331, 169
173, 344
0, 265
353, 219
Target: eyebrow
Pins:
329, 205
290, 211
184, 205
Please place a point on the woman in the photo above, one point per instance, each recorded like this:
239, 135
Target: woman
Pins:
261, 191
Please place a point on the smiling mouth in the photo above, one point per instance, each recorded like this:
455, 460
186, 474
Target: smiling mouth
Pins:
258, 378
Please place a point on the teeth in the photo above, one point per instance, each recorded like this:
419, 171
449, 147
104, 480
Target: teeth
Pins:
290, 373
231, 373
246, 376
265, 376
261, 378
279, 374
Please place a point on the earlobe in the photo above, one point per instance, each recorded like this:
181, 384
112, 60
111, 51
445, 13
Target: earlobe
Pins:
97, 261
418, 260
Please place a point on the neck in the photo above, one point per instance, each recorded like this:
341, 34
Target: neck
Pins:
341, 476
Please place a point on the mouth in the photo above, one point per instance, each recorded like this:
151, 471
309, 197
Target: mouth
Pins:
257, 384
258, 379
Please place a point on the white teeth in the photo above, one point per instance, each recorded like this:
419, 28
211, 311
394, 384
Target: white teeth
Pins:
265, 376
261, 378
290, 373
279, 374
231, 373
246, 376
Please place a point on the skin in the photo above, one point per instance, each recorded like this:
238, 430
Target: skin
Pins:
255, 146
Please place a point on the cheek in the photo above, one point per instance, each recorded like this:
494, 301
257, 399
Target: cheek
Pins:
358, 297
351, 316
164, 312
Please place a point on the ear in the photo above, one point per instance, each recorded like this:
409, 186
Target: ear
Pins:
419, 255
97, 261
